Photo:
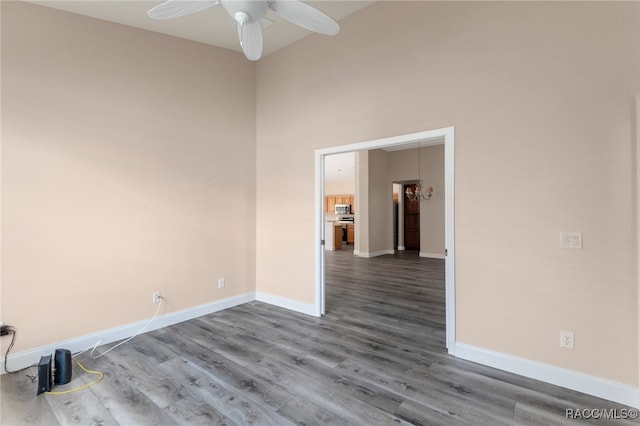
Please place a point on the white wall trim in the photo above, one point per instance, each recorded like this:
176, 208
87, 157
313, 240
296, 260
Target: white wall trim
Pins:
376, 253
449, 236
591, 385
596, 386
320, 236
283, 302
401, 248
32, 356
432, 255
637, 218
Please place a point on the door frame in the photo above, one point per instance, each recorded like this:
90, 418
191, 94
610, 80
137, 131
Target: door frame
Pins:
426, 138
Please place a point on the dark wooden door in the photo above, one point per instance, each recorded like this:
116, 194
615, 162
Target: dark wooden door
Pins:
411, 221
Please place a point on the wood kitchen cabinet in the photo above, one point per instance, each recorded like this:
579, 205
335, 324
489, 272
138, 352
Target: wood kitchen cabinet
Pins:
332, 200
351, 234
330, 203
337, 237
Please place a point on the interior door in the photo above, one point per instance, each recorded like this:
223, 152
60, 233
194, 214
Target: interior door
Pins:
411, 221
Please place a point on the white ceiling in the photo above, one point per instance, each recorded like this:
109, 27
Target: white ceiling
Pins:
212, 26
340, 167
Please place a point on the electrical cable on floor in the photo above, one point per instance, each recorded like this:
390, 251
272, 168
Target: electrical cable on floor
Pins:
129, 339
12, 331
98, 380
100, 374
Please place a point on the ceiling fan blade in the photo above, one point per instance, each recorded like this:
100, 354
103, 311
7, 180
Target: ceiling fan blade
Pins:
305, 16
250, 35
176, 8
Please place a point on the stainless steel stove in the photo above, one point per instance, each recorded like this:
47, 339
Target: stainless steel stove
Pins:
346, 220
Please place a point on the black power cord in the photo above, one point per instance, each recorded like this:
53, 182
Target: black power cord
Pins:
7, 329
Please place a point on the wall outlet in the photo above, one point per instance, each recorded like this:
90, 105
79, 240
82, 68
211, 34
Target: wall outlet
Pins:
567, 339
220, 282
155, 298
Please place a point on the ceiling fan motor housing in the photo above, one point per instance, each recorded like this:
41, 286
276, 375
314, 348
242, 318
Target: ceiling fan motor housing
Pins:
248, 14
245, 11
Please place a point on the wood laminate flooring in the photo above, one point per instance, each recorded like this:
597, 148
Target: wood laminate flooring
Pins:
376, 358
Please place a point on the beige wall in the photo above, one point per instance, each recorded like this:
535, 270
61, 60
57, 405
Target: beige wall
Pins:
340, 187
123, 150
128, 166
542, 104
362, 211
379, 208
432, 223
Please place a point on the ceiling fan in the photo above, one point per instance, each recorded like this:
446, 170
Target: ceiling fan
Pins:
248, 15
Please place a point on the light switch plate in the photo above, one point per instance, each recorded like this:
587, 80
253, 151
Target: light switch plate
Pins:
571, 240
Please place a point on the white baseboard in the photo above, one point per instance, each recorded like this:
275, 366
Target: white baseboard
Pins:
596, 386
376, 253
401, 248
432, 255
283, 302
32, 356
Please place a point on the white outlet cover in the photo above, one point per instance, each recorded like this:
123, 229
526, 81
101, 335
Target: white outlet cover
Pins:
567, 339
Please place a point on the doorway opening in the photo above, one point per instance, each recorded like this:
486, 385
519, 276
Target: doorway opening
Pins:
411, 220
444, 136
406, 217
